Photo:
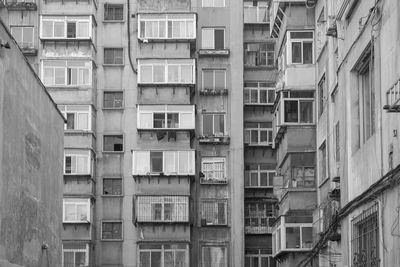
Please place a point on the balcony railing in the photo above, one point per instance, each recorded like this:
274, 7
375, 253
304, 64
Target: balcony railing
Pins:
256, 14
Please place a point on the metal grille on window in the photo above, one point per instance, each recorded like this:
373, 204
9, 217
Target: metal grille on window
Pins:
365, 239
162, 208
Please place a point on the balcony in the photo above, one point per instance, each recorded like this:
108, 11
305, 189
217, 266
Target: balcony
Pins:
257, 229
212, 92
21, 5
213, 53
256, 14
78, 163
214, 140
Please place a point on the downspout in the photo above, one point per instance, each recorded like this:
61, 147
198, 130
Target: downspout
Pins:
129, 37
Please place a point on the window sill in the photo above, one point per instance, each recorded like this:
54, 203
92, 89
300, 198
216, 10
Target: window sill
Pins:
113, 21
248, 67
213, 53
167, 40
212, 92
116, 109
114, 65
113, 152
67, 87
65, 39
78, 222
112, 240
112, 196
80, 132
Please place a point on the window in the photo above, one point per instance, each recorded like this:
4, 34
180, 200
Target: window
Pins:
163, 255
76, 210
259, 93
113, 56
321, 31
162, 208
303, 177
365, 238
259, 175
337, 142
24, 35
167, 26
258, 217
255, 11
77, 162
166, 117
165, 162
259, 54
75, 254
214, 256
258, 133
300, 47
367, 89
322, 162
213, 38
213, 3
258, 258
213, 212
66, 27
113, 143
113, 12
214, 79
112, 187
213, 124
172, 71
298, 237
111, 230
299, 107
78, 117
66, 72
322, 95
213, 170
113, 99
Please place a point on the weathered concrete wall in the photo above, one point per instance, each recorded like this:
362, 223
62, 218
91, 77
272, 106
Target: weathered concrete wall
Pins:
31, 164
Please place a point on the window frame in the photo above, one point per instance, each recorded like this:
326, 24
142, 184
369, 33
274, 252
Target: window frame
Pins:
22, 27
67, 72
84, 201
112, 194
113, 151
215, 212
224, 247
165, 63
247, 97
69, 109
260, 10
106, 6
299, 101
166, 110
322, 95
214, 179
259, 171
260, 54
111, 92
323, 162
65, 20
162, 251
69, 153
291, 40
86, 250
225, 133
114, 50
112, 222
260, 255
213, 5
214, 73
211, 46
248, 132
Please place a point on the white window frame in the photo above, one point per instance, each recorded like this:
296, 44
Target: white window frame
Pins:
162, 251
165, 19
259, 89
215, 173
280, 110
70, 153
215, 210
145, 209
77, 250
204, 44
224, 247
70, 109
302, 41
65, 20
260, 10
23, 45
259, 256
143, 123
213, 123
214, 71
144, 155
259, 171
213, 3
260, 53
166, 64
87, 66
259, 130
78, 202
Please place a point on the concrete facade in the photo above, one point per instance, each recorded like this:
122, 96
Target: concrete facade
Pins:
31, 152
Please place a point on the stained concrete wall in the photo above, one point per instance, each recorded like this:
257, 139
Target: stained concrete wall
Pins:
31, 157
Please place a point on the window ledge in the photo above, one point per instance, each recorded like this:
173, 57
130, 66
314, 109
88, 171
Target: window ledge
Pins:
112, 240
64, 39
208, 91
80, 132
116, 109
113, 21
259, 104
112, 196
213, 181
214, 53
114, 65
78, 222
113, 152
248, 67
223, 140
67, 87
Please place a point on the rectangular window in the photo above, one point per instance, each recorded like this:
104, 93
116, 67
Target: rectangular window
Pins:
300, 46
165, 162
214, 256
303, 177
337, 142
213, 79
76, 210
68, 27
171, 71
113, 99
298, 237
213, 3
367, 89
167, 26
259, 258
214, 124
166, 117
258, 217
163, 255
111, 230
322, 162
112, 187
78, 117
322, 95
113, 143
298, 107
259, 175
24, 35
113, 56
213, 38
213, 212
214, 170
258, 133
365, 244
113, 12
66, 72
259, 93
255, 11
75, 254
259, 54
77, 162
162, 209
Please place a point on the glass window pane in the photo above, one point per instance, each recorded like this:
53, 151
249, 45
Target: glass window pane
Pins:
173, 120
207, 39
254, 179
59, 76
263, 96
155, 259
307, 53
47, 28
291, 111
219, 39
208, 79
219, 124
292, 237
83, 29
146, 74
17, 34
144, 259
187, 74
71, 29
296, 52
156, 161
220, 79
264, 179
173, 73
254, 136
159, 120
254, 96
59, 29
158, 74
183, 162
306, 111
208, 124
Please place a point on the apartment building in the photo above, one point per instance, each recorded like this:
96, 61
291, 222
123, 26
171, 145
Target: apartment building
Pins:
153, 157
294, 130
259, 153
31, 152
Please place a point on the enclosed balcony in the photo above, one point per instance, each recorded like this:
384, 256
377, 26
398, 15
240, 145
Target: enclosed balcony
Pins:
78, 162
256, 12
20, 5
258, 218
